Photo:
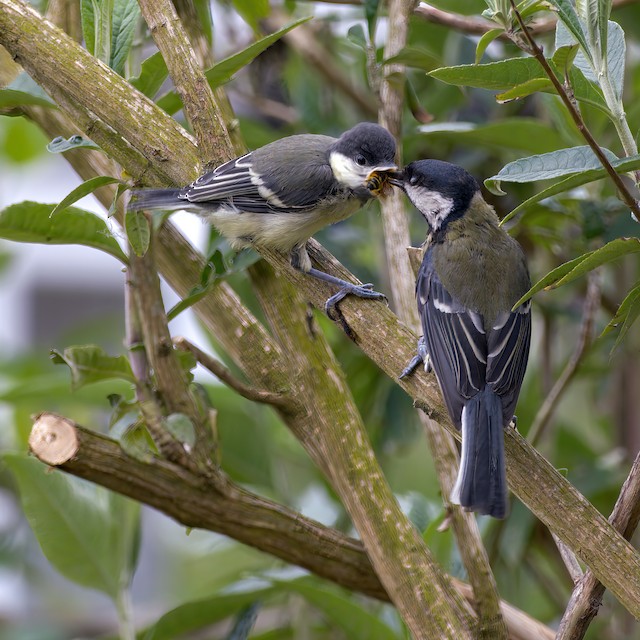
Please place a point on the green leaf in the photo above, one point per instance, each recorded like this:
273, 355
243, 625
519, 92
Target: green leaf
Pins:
87, 187
525, 89
24, 91
564, 56
347, 614
137, 443
485, 41
193, 616
138, 231
626, 315
153, 73
417, 58
252, 11
524, 134
32, 222
507, 74
371, 15
570, 271
124, 20
75, 523
181, 428
580, 160
356, 36
224, 70
90, 363
60, 145
546, 166
570, 19
88, 17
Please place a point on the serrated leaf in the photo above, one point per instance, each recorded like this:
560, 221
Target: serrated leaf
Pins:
32, 222
76, 524
124, 20
87, 187
153, 73
485, 41
60, 145
570, 19
223, 71
90, 363
626, 315
574, 269
138, 231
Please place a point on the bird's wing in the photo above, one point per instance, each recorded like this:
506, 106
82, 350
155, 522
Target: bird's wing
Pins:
278, 177
455, 340
508, 352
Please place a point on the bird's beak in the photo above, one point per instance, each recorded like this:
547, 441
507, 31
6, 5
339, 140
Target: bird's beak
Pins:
377, 180
396, 178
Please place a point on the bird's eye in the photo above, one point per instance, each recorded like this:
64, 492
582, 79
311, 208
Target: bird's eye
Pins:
413, 180
361, 160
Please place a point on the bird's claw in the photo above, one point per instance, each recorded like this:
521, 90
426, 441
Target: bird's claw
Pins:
358, 290
421, 357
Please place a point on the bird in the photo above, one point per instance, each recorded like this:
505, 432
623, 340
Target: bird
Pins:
472, 274
279, 195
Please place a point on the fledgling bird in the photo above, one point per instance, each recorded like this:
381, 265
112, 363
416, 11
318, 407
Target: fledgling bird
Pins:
279, 195
471, 275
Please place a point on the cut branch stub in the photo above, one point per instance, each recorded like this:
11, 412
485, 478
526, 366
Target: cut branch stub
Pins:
53, 439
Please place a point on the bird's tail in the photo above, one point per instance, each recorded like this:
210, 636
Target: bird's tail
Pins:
482, 484
157, 199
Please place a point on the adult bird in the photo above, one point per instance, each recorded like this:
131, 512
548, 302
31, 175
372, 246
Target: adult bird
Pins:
471, 276
279, 195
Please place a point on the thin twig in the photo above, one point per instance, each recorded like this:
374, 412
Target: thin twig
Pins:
572, 107
548, 407
587, 596
569, 559
225, 375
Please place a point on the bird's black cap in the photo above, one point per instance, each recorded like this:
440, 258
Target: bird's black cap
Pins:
371, 140
450, 180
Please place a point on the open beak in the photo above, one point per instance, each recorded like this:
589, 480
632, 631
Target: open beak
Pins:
378, 179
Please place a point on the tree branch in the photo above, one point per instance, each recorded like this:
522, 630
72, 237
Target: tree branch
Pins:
200, 105
587, 595
224, 374
402, 277
238, 513
387, 342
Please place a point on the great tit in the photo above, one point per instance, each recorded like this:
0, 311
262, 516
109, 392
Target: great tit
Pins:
471, 275
279, 195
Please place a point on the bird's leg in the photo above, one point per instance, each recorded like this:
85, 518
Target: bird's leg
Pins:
300, 261
417, 360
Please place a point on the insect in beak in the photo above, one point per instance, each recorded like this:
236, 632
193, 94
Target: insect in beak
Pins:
378, 180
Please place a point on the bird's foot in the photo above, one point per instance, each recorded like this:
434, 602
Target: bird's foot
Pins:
348, 289
421, 357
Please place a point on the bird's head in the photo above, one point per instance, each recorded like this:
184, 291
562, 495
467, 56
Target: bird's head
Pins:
362, 157
441, 191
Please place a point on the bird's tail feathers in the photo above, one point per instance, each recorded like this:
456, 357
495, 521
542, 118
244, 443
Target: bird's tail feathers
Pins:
481, 484
167, 199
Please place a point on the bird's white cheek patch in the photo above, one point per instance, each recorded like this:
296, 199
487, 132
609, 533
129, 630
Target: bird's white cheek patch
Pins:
433, 205
346, 171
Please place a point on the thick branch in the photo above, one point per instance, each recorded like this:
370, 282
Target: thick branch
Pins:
240, 514
199, 103
337, 441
